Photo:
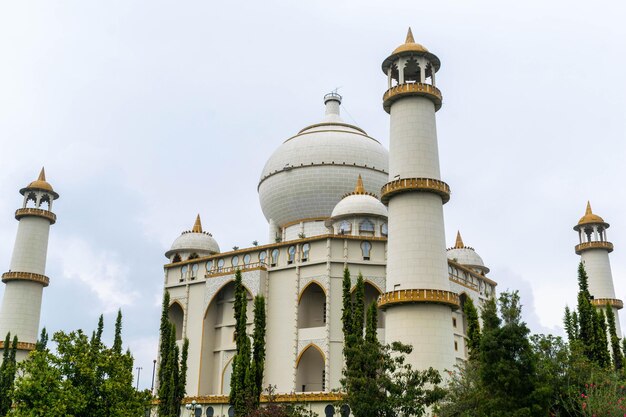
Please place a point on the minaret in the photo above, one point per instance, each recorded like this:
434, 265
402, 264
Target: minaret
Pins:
418, 300
26, 279
594, 250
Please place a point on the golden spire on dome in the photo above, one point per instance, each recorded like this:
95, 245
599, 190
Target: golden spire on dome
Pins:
359, 189
588, 210
589, 217
42, 174
459, 241
197, 227
40, 183
409, 36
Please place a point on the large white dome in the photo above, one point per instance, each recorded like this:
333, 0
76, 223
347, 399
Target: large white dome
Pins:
309, 173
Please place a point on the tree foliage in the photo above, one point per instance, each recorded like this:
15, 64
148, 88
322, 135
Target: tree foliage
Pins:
377, 380
82, 378
616, 353
249, 362
473, 326
7, 373
172, 373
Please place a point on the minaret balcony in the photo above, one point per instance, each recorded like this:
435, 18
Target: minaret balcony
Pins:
419, 296
30, 211
412, 89
580, 248
25, 276
20, 345
613, 302
415, 184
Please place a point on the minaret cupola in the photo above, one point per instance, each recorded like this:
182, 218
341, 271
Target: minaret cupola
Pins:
410, 71
38, 198
591, 230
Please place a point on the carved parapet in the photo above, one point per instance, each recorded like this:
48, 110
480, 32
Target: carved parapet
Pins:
308, 397
405, 185
26, 276
419, 296
412, 89
613, 302
593, 245
20, 345
29, 211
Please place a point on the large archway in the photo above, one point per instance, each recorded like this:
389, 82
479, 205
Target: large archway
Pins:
312, 307
177, 318
218, 341
311, 370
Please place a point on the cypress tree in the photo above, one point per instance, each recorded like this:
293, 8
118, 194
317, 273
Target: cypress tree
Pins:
117, 340
241, 377
601, 350
615, 348
587, 321
473, 327
358, 313
371, 334
42, 343
347, 307
258, 350
567, 323
7, 374
624, 347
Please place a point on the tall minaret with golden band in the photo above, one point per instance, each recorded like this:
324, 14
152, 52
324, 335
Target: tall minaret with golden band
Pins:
594, 249
418, 301
26, 279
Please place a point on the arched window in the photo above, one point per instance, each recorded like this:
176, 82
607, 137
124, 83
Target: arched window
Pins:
371, 295
194, 271
262, 256
274, 260
366, 249
292, 254
345, 227
31, 200
306, 248
312, 307
44, 202
246, 259
234, 261
209, 266
366, 226
183, 272
220, 264
193, 256
176, 316
384, 230
310, 372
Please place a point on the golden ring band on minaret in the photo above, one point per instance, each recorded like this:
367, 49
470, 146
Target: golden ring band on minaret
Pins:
404, 185
580, 248
20, 345
25, 276
35, 212
448, 298
412, 89
613, 302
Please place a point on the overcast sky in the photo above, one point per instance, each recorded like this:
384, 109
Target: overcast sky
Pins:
146, 113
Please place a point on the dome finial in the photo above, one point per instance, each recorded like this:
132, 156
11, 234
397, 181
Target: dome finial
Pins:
197, 227
459, 241
359, 189
42, 174
409, 36
588, 210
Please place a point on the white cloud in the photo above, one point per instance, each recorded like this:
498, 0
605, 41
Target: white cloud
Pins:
98, 269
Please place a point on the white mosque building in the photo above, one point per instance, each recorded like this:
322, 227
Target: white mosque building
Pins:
333, 197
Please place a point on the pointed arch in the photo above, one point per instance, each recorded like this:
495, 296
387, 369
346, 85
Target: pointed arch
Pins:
311, 369
312, 306
176, 316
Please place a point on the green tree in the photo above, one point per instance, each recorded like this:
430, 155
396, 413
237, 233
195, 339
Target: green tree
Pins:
258, 350
601, 345
616, 353
42, 343
587, 332
7, 373
172, 372
83, 378
473, 326
376, 378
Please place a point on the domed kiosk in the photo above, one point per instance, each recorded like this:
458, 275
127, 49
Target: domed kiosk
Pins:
192, 244
466, 256
309, 173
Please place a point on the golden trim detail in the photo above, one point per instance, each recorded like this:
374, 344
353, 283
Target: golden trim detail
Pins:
613, 302
412, 89
279, 398
20, 345
30, 211
26, 276
593, 245
415, 184
419, 296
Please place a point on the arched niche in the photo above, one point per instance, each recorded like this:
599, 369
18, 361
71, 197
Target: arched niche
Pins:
310, 370
371, 295
176, 316
312, 307
218, 342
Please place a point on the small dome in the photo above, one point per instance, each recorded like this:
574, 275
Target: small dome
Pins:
466, 255
194, 240
410, 45
40, 184
590, 218
359, 202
